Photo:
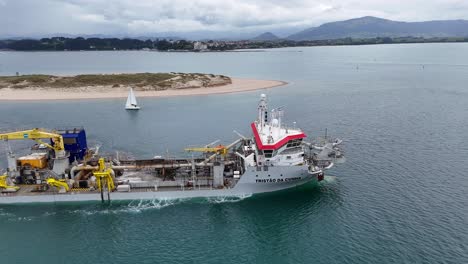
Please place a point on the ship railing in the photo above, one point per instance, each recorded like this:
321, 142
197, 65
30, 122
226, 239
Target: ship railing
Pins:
66, 129
293, 150
289, 128
17, 129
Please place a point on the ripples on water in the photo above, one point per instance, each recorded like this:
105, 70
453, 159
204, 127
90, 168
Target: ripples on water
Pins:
401, 196
150, 227
140, 206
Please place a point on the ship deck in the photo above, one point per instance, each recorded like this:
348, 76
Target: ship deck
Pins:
30, 190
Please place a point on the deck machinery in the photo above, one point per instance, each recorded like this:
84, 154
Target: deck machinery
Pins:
47, 159
275, 158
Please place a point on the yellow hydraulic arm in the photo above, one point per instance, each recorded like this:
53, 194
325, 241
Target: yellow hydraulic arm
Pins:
218, 149
58, 183
104, 175
37, 134
4, 184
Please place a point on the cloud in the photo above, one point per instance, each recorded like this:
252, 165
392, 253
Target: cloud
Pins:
92, 18
137, 17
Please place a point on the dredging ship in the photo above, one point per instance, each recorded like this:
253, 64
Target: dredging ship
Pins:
64, 169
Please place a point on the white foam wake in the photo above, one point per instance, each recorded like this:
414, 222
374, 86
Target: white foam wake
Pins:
228, 199
135, 206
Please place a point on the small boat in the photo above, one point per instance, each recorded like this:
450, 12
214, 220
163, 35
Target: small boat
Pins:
131, 101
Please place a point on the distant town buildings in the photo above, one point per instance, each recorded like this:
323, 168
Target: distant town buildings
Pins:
79, 43
199, 46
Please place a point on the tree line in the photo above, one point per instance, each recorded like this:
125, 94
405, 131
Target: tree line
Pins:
73, 44
62, 43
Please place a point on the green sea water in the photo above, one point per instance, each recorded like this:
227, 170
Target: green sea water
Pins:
401, 197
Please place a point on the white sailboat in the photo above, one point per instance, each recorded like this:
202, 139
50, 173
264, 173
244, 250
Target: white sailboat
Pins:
131, 101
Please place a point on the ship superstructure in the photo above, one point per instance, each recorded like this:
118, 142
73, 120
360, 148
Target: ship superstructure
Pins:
276, 157
276, 144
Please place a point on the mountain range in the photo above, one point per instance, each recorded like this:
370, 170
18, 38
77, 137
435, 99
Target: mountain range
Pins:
267, 36
371, 27
363, 27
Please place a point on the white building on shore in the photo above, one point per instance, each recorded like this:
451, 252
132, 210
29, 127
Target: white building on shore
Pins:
200, 46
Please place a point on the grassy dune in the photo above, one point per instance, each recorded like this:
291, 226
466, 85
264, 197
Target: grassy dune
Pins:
140, 81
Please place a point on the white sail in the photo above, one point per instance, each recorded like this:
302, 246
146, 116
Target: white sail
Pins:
131, 103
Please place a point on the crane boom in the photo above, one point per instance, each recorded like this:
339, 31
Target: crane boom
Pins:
37, 134
218, 149
225, 150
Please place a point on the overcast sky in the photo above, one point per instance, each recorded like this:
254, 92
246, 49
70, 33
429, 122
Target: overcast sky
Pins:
149, 17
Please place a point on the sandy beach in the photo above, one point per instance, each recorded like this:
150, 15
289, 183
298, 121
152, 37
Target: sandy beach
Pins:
237, 85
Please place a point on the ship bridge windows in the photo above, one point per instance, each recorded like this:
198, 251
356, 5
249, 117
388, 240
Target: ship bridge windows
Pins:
294, 143
270, 153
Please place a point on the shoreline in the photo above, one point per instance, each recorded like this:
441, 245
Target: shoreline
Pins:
238, 85
259, 49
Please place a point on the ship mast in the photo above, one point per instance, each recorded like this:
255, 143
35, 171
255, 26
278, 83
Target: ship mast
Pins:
262, 111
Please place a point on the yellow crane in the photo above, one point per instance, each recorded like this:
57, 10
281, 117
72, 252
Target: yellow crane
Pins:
37, 134
220, 149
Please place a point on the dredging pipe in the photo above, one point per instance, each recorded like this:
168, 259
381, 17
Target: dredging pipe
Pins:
75, 169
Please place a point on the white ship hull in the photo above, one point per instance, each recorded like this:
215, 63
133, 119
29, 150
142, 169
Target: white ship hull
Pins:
252, 182
132, 108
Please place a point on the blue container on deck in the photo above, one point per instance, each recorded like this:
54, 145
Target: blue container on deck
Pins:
75, 142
